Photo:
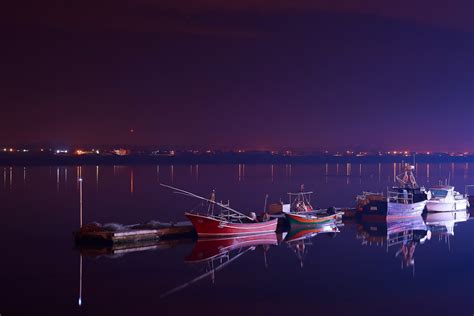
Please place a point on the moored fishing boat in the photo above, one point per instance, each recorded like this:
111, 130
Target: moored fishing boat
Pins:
223, 225
226, 221
300, 211
309, 218
404, 201
408, 199
300, 203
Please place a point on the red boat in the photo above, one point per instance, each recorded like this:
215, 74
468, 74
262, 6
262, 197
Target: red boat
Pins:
228, 222
216, 225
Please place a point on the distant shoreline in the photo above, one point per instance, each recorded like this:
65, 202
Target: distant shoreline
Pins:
14, 159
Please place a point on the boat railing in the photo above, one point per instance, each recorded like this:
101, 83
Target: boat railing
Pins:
400, 197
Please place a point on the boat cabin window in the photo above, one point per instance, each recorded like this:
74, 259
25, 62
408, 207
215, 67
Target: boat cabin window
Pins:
439, 193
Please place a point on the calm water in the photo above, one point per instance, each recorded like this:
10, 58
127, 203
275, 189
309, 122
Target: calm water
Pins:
353, 272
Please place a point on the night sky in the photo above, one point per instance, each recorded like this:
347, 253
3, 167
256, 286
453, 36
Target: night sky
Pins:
256, 74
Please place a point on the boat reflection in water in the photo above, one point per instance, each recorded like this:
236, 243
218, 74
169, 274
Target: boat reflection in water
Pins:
217, 253
403, 234
442, 224
299, 238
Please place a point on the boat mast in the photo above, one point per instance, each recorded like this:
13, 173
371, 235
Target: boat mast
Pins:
407, 179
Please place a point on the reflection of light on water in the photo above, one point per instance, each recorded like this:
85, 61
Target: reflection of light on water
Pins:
394, 172
158, 174
360, 170
239, 177
452, 170
11, 178
272, 170
241, 172
114, 170
326, 173
348, 173
131, 181
428, 172
380, 171
197, 173
97, 178
466, 170
24, 175
172, 173
57, 179
337, 169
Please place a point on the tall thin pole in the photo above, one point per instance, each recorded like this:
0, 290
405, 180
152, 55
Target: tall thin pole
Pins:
80, 202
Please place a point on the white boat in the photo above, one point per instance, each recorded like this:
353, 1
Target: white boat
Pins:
408, 199
445, 199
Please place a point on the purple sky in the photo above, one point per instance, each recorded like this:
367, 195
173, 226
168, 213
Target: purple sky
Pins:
319, 74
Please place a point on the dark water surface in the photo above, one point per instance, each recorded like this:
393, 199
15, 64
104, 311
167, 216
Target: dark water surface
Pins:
353, 272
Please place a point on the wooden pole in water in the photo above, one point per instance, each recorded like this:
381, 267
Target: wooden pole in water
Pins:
80, 202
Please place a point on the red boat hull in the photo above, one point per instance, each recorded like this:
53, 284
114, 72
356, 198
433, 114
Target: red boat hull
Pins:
207, 226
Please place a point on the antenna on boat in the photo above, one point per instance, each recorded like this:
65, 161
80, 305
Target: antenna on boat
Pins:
186, 193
